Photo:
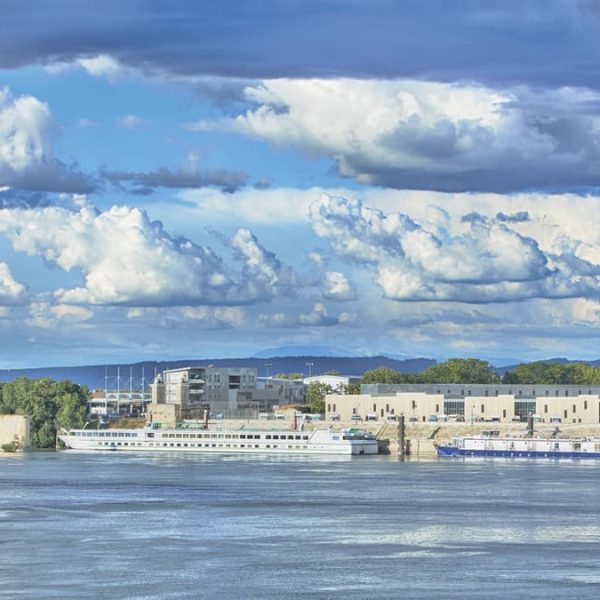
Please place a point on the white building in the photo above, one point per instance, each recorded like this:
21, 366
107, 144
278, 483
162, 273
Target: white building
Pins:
485, 402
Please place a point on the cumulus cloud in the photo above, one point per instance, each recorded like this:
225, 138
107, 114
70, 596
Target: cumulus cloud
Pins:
486, 262
262, 269
26, 160
337, 287
126, 259
11, 291
428, 135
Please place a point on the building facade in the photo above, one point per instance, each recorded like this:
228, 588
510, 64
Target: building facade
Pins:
195, 389
478, 402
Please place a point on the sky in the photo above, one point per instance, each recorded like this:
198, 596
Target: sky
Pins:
211, 179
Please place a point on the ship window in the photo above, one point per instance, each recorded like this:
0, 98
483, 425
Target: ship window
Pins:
275, 437
267, 437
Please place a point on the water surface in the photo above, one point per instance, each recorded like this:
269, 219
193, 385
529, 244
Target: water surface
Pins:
125, 526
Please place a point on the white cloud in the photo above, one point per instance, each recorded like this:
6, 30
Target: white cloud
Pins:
26, 160
194, 317
487, 261
262, 268
102, 65
11, 291
337, 287
429, 135
47, 315
317, 317
24, 125
126, 259
98, 65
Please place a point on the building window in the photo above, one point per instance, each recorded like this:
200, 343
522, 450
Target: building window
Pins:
523, 408
565, 413
387, 408
504, 413
574, 409
545, 409
585, 405
334, 408
329, 408
353, 411
374, 407
482, 408
437, 409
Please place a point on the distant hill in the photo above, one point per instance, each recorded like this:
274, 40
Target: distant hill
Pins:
94, 375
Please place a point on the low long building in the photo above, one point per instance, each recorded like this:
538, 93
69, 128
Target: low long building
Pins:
477, 402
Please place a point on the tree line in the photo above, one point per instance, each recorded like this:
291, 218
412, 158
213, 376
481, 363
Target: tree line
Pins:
49, 404
473, 370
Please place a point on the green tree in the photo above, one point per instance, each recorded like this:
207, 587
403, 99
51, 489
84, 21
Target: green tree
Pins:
461, 370
383, 375
553, 374
49, 404
315, 394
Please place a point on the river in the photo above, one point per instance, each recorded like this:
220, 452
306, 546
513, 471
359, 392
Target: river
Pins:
140, 527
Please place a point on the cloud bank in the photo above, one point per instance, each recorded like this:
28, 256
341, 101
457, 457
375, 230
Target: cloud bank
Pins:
429, 135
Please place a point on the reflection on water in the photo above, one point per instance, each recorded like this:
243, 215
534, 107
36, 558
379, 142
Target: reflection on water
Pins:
111, 526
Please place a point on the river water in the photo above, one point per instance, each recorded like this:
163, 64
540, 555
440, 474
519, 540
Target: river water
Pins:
118, 526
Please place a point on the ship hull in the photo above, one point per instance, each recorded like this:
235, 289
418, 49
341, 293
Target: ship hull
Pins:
219, 442
445, 451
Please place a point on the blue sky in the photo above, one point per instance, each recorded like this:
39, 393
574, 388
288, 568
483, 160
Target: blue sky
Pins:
192, 179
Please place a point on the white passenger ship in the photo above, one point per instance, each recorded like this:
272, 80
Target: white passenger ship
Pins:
490, 444
320, 441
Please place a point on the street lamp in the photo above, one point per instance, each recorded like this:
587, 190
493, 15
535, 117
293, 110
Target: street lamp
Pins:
310, 365
267, 366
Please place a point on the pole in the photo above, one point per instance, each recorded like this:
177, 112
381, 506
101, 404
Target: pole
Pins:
401, 436
530, 425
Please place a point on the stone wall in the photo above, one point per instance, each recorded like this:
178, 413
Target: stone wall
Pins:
14, 427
